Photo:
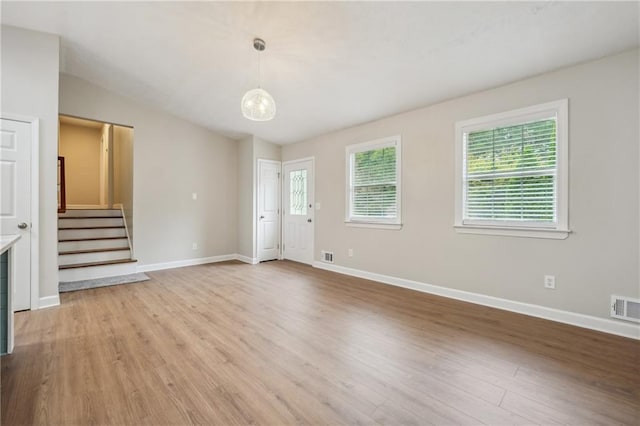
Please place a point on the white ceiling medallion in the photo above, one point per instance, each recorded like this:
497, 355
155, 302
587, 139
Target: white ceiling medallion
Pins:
258, 104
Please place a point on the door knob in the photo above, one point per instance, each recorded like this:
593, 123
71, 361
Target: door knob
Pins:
22, 225
309, 220
261, 217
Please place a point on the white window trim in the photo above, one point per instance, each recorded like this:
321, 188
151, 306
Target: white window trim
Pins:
558, 230
367, 222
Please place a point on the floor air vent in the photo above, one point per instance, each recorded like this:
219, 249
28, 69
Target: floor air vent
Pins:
625, 308
327, 256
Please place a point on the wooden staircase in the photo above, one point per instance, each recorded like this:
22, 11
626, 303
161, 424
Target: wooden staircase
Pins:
93, 243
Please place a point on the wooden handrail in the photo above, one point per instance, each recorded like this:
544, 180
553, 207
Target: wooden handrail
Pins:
62, 187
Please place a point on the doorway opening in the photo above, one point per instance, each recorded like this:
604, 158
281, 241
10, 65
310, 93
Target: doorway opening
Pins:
95, 197
98, 163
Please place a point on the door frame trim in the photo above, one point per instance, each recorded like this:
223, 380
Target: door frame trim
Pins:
255, 210
35, 202
313, 185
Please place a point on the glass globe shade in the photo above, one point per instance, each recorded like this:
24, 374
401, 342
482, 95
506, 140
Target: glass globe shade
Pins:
258, 105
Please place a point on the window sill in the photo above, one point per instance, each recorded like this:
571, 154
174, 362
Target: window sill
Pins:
554, 234
374, 225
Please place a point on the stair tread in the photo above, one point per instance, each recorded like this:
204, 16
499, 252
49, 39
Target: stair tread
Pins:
62, 253
91, 217
92, 227
97, 211
91, 239
104, 263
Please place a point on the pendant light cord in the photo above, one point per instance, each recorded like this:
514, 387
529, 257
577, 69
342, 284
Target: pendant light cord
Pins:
259, 86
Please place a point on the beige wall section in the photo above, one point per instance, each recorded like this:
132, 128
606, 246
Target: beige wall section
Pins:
29, 87
598, 259
172, 159
245, 197
266, 150
104, 164
250, 149
123, 173
80, 146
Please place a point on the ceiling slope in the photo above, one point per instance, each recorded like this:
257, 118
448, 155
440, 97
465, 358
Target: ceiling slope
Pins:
329, 65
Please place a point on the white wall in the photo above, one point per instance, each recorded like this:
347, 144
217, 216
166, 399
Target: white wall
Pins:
81, 148
123, 173
246, 197
250, 150
29, 87
264, 150
598, 259
172, 160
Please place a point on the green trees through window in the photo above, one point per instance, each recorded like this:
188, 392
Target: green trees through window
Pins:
510, 173
373, 183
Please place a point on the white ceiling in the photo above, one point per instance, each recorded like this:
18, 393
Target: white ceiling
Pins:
328, 65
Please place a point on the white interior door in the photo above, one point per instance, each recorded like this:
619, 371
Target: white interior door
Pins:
15, 204
298, 211
268, 211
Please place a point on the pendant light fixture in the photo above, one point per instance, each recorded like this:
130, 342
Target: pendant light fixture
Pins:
258, 104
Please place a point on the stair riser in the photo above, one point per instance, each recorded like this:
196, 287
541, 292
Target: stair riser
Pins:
72, 259
84, 213
87, 223
92, 244
77, 274
73, 234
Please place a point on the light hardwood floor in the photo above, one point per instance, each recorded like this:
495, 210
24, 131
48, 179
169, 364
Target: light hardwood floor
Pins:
281, 343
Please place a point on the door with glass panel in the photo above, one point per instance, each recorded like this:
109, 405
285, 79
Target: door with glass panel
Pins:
298, 217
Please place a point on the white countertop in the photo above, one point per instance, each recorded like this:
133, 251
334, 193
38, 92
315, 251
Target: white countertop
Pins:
6, 241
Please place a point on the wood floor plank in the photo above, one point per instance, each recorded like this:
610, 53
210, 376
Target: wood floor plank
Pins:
283, 343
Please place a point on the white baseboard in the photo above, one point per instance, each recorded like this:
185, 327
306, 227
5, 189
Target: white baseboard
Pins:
247, 259
49, 301
580, 320
186, 262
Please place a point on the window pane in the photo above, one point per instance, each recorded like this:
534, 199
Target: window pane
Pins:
374, 184
298, 192
529, 146
529, 198
375, 167
375, 201
511, 173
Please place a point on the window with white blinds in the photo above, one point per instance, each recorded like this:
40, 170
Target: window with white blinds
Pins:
374, 182
513, 169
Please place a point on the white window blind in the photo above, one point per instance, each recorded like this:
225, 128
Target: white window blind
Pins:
373, 182
510, 173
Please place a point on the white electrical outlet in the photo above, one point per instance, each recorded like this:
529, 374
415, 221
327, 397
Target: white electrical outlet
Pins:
194, 195
550, 281
194, 246
350, 252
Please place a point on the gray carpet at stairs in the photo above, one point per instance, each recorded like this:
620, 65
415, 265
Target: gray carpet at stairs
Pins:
102, 282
